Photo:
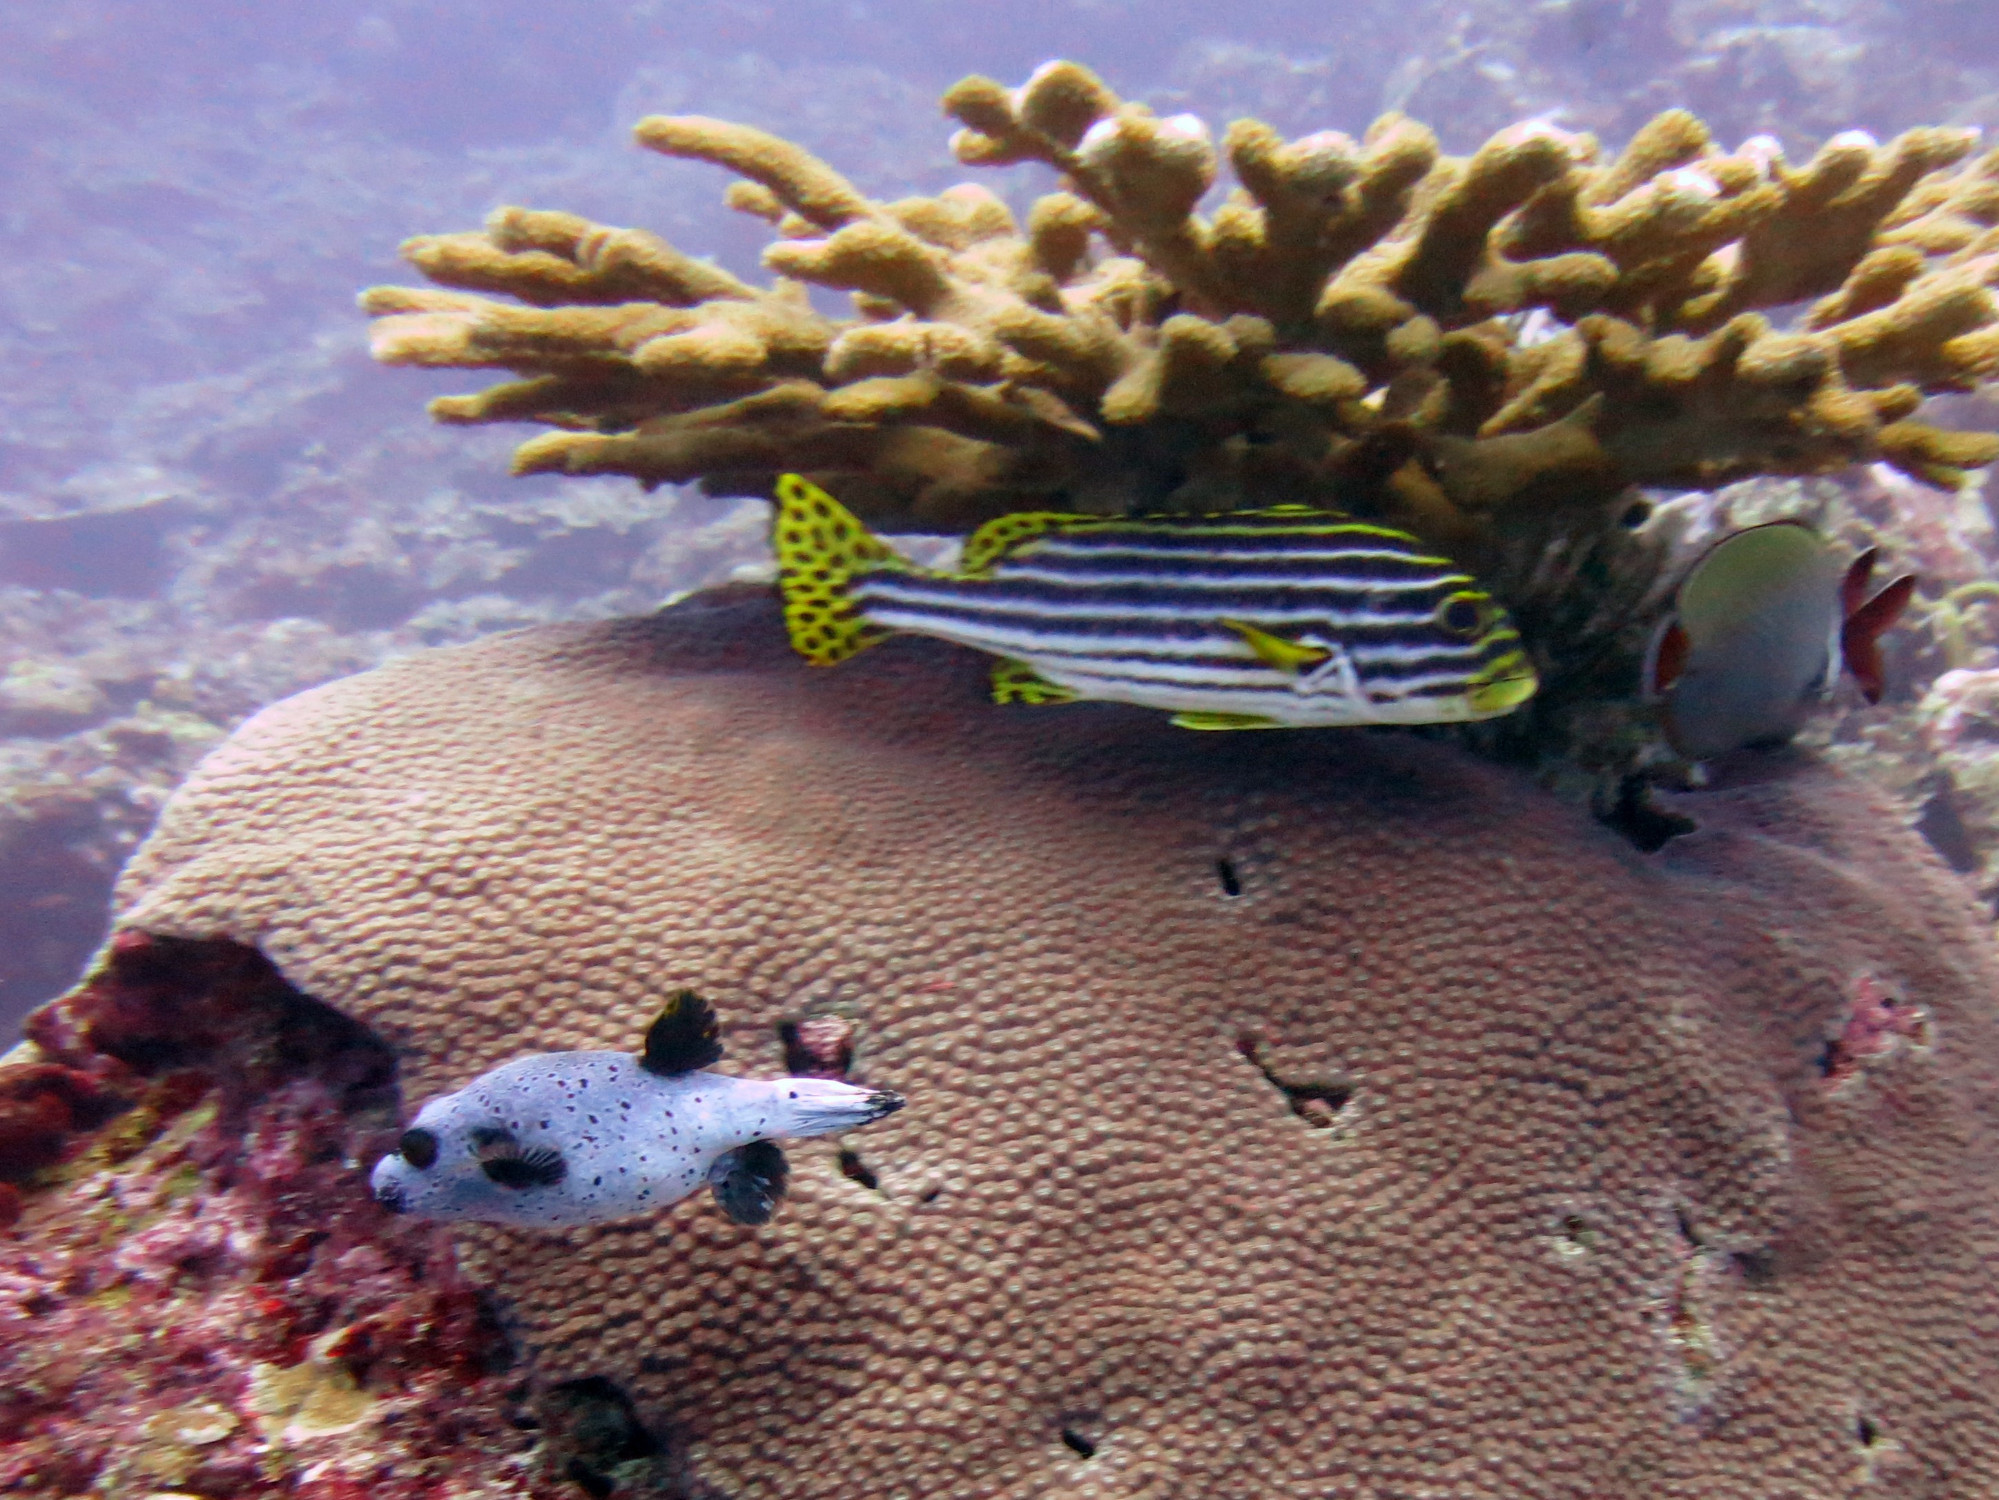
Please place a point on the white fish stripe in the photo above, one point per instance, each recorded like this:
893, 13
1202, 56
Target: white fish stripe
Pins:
1027, 572
897, 591
1280, 704
1392, 663
1026, 643
1249, 677
1019, 641
1256, 551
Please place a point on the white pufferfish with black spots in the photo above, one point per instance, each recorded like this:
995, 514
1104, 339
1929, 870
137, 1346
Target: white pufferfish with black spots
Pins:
566, 1138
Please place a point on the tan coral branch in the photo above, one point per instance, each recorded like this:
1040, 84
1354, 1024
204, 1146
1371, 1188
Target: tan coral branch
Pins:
1455, 343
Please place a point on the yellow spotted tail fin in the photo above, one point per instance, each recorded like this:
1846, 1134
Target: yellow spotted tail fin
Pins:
821, 547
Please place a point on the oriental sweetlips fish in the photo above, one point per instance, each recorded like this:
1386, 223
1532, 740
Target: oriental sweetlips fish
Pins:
1262, 619
1759, 631
580, 1137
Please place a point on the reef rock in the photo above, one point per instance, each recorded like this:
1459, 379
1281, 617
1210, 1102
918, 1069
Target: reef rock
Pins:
1297, 1113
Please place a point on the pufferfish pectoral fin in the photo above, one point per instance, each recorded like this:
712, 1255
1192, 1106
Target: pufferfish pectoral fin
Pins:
1285, 656
749, 1181
1017, 682
683, 1037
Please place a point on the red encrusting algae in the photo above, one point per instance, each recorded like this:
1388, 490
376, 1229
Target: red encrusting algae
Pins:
197, 1294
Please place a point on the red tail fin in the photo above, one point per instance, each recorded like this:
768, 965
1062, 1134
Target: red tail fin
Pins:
1853, 588
1666, 660
1860, 635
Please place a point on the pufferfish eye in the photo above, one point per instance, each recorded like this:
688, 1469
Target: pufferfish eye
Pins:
418, 1147
1462, 614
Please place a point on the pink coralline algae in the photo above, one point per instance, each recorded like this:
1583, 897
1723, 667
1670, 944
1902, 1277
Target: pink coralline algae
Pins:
198, 1296
1880, 1024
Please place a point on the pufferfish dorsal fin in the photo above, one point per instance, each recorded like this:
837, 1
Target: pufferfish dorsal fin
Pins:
749, 1181
684, 1036
1277, 652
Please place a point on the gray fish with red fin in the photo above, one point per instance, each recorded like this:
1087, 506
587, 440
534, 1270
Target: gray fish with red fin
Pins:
1761, 627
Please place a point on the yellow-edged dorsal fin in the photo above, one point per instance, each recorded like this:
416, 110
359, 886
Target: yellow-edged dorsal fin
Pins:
1194, 719
1002, 534
1017, 682
821, 546
1285, 656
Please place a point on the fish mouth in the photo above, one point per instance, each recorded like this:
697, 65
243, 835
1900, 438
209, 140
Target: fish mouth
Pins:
1504, 686
884, 1102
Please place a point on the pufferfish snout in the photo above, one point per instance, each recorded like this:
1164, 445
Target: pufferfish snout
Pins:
564, 1138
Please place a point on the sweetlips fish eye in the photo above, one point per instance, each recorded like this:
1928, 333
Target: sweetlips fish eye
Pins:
1464, 613
418, 1147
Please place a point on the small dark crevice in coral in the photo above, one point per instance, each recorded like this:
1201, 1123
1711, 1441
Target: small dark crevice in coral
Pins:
1078, 1444
1684, 1222
1636, 817
1758, 1268
855, 1170
1580, 1232
929, 1195
1225, 872
1866, 1431
594, 1431
1941, 823
1315, 1101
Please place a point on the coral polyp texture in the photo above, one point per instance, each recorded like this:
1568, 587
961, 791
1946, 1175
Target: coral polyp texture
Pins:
1480, 348
1288, 1114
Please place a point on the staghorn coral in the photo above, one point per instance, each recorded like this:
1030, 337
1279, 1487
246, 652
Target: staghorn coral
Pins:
1288, 1114
1488, 350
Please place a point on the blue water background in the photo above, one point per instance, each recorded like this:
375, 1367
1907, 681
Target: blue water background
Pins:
209, 497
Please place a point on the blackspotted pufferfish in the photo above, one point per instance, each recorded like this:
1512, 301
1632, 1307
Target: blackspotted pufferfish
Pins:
562, 1138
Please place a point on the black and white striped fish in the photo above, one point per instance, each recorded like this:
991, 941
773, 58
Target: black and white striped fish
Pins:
1264, 619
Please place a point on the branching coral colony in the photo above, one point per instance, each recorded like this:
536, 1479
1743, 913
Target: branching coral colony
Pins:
1488, 351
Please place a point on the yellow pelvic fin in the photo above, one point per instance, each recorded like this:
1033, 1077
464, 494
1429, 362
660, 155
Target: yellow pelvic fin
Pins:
1002, 534
1285, 656
1194, 719
1504, 686
1017, 682
821, 547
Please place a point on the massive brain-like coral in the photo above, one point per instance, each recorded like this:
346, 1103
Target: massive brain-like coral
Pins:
1318, 1113
1487, 350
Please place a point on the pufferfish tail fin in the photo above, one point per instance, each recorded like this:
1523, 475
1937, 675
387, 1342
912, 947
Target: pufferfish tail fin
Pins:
821, 548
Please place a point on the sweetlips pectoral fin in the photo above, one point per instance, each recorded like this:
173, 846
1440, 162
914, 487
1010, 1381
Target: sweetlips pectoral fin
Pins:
1017, 682
749, 1181
683, 1037
1195, 719
1276, 651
